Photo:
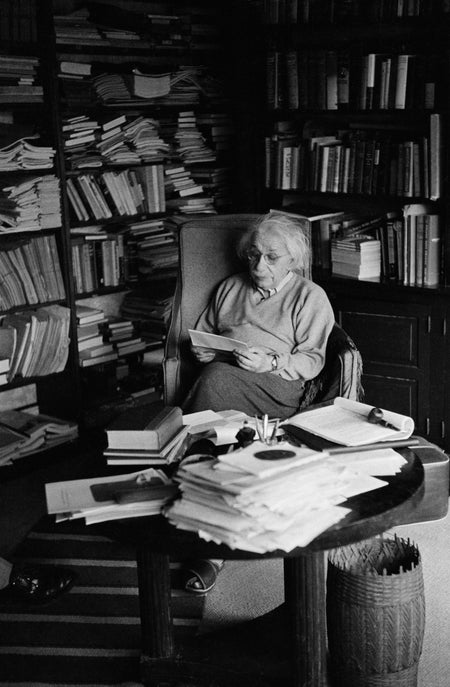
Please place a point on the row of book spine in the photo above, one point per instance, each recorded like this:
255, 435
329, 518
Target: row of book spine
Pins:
41, 341
98, 262
362, 161
126, 193
336, 11
30, 272
339, 80
409, 244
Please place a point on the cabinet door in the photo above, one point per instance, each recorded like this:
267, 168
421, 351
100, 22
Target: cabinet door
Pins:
394, 341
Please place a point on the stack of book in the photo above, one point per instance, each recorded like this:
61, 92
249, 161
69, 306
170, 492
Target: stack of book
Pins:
137, 233
110, 498
126, 141
191, 144
21, 154
155, 250
218, 130
31, 205
18, 79
147, 435
356, 258
79, 136
216, 181
92, 348
122, 334
151, 310
77, 29
41, 341
23, 433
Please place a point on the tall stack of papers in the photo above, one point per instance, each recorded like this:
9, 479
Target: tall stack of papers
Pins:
256, 500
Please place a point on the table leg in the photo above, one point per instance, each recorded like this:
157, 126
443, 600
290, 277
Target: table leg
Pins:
155, 604
305, 594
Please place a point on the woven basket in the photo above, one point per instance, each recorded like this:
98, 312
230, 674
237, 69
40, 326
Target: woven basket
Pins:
375, 613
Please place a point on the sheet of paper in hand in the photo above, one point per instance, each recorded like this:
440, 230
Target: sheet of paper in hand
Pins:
354, 424
215, 341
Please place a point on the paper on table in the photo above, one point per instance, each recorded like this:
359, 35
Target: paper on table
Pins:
345, 422
76, 495
384, 461
215, 341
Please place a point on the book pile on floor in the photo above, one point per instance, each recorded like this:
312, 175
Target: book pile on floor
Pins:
23, 433
249, 501
151, 434
110, 498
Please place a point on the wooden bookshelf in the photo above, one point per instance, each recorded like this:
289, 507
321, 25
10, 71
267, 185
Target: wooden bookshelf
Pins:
356, 119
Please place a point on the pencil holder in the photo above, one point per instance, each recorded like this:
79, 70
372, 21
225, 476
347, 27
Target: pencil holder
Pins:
375, 613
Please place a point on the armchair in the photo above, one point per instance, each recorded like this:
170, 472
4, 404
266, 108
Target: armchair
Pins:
207, 256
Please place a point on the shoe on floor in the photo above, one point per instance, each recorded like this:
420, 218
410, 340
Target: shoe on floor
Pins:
200, 576
35, 585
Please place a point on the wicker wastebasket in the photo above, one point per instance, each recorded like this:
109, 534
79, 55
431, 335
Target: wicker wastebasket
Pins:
375, 613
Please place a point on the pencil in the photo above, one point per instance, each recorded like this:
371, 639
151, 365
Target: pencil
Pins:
372, 447
258, 431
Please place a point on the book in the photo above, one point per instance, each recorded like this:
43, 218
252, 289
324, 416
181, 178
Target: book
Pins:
172, 451
105, 498
145, 427
347, 422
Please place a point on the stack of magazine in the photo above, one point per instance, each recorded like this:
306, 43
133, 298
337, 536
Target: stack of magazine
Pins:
110, 498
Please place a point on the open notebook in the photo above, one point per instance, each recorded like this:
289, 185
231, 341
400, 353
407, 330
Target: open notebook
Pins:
346, 422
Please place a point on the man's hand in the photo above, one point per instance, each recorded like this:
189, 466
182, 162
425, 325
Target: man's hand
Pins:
254, 359
203, 355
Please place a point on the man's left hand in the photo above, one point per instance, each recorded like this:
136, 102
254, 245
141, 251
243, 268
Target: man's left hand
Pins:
254, 359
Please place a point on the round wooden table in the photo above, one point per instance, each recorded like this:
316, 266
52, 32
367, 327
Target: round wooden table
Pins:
286, 646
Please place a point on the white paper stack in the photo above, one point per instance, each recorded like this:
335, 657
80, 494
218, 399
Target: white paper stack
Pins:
249, 501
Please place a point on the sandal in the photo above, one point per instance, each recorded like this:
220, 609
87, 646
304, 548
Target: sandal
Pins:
200, 575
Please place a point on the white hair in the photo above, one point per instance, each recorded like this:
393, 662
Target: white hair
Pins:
290, 229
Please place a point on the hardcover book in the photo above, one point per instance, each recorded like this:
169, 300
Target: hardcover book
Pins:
145, 427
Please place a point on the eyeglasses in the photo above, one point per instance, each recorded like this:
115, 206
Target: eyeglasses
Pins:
254, 257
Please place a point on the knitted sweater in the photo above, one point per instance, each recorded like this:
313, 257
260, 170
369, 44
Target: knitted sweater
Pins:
294, 323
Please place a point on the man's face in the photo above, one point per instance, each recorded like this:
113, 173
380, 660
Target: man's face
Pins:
268, 260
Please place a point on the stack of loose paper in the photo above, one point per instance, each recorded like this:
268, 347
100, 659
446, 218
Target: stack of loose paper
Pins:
255, 501
110, 498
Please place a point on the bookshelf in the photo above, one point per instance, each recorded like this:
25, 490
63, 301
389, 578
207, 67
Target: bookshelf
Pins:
145, 136
38, 375
356, 119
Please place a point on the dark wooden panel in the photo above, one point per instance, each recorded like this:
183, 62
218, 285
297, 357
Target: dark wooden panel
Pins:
399, 395
382, 338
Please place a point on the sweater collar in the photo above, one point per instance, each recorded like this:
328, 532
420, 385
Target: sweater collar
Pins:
268, 293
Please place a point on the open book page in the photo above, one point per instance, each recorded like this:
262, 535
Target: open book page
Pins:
215, 341
346, 422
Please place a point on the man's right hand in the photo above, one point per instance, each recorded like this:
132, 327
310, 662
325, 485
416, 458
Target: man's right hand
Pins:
203, 355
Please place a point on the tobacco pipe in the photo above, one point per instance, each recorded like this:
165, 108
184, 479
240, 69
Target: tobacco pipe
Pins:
376, 417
